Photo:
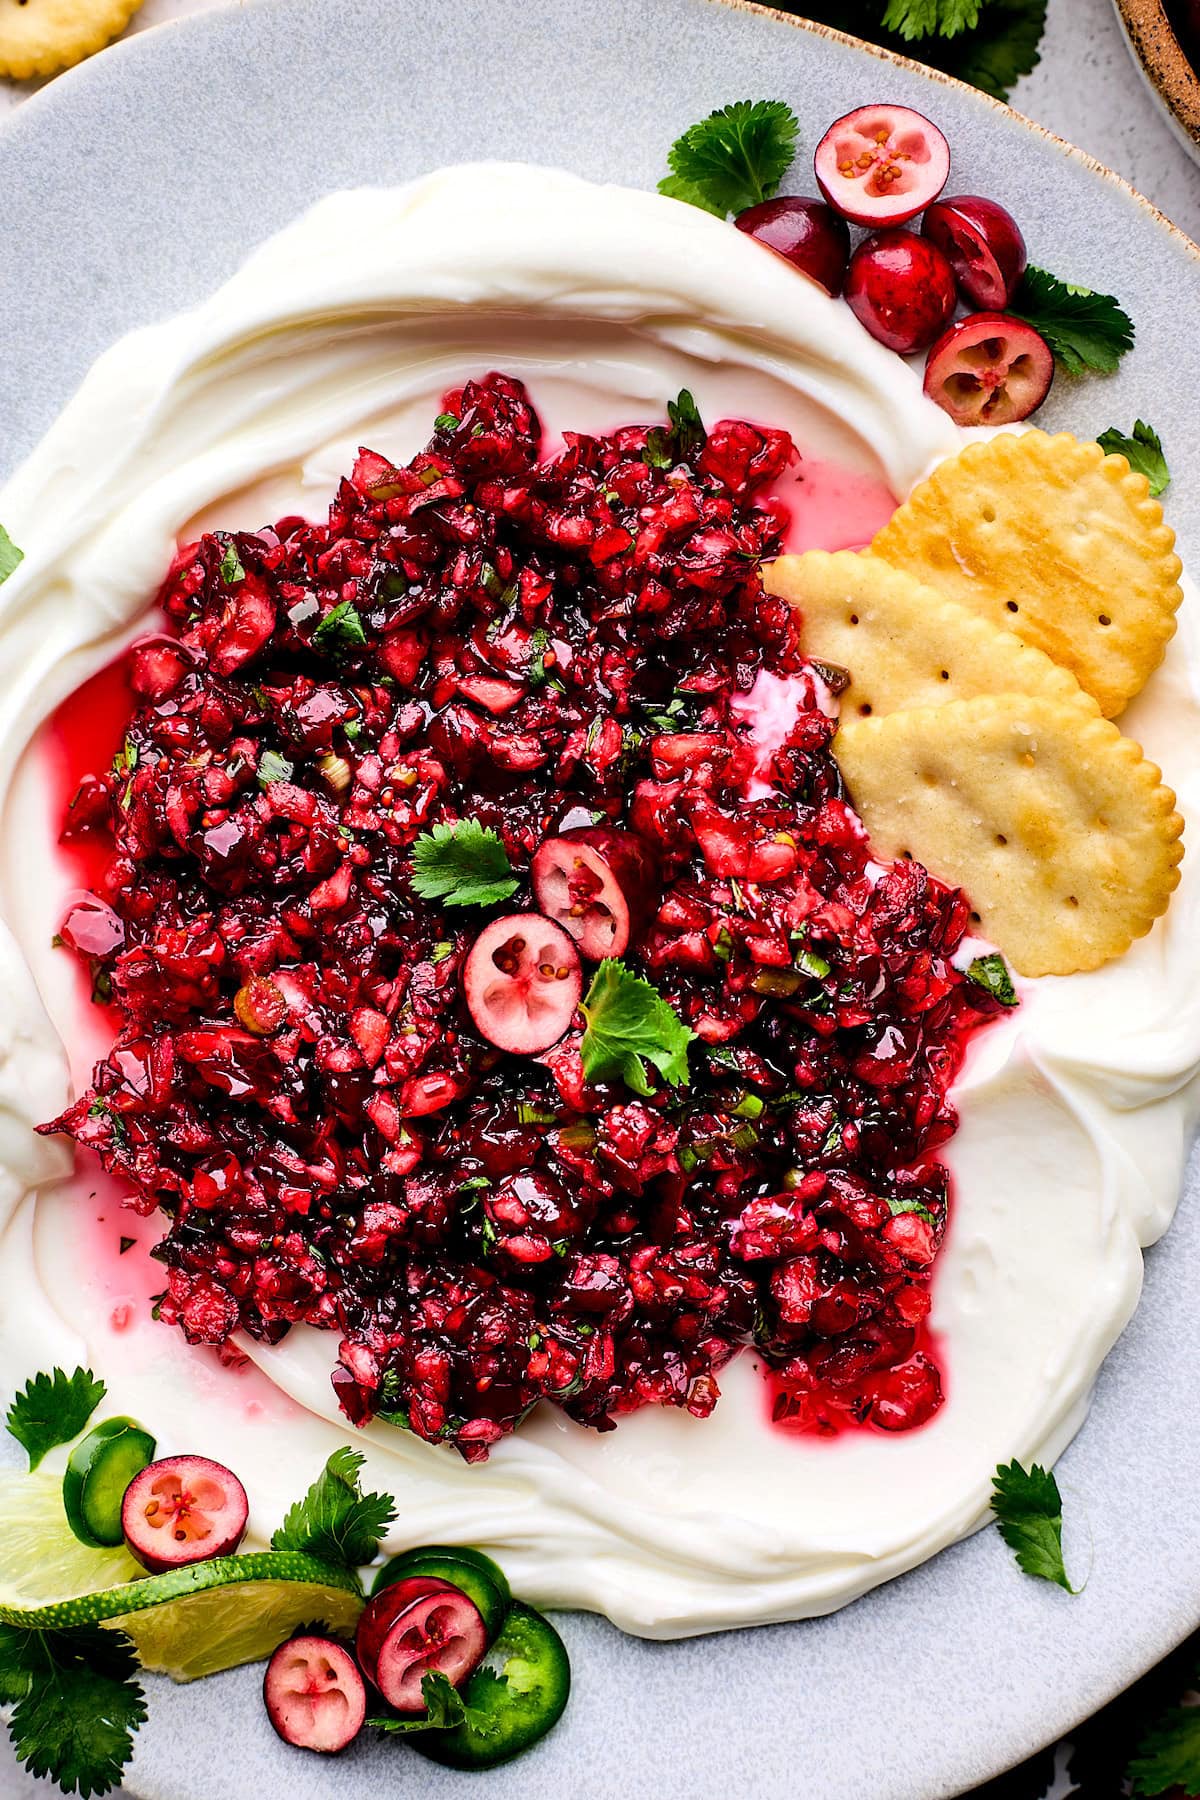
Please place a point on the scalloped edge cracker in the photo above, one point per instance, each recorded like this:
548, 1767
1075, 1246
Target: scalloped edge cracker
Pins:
40, 37
1058, 829
903, 644
1049, 538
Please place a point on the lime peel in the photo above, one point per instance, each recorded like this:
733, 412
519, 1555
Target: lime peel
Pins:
180, 1584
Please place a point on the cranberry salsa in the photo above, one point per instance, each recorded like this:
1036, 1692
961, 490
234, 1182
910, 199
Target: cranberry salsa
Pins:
394, 786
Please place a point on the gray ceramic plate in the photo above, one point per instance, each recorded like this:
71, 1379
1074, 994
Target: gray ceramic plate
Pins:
133, 186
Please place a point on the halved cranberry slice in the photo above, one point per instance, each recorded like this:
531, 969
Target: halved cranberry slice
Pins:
314, 1694
599, 883
881, 165
989, 369
983, 245
183, 1509
806, 233
522, 981
414, 1628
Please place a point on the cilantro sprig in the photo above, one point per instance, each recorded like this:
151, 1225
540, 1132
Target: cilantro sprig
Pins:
444, 1709
1143, 451
628, 1025
462, 864
1168, 1756
924, 18
1085, 330
335, 1521
76, 1705
677, 442
10, 555
734, 158
52, 1409
1028, 1509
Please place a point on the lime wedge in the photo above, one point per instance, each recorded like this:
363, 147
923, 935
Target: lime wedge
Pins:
41, 1559
213, 1615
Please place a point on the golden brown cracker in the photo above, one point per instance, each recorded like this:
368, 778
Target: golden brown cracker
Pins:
1051, 539
901, 643
1058, 829
40, 37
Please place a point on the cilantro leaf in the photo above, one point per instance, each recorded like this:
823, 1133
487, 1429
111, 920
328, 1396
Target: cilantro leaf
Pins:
231, 570
627, 1020
1169, 1754
53, 1409
1084, 329
1028, 1509
678, 441
336, 1522
10, 556
992, 55
76, 1707
991, 974
899, 1207
462, 864
444, 1709
921, 18
734, 158
1143, 452
341, 629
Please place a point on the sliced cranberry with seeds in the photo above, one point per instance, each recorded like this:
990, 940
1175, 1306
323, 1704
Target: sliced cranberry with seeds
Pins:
418, 1627
182, 1510
522, 982
314, 1695
989, 369
599, 883
881, 165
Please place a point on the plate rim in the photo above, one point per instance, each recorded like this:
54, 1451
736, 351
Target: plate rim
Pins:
145, 43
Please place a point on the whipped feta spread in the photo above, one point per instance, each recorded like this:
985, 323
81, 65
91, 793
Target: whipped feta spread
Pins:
1076, 1112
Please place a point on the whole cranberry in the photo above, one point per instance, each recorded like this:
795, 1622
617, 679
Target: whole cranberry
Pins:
807, 233
901, 288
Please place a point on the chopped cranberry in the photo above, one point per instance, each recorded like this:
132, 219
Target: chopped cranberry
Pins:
352, 1116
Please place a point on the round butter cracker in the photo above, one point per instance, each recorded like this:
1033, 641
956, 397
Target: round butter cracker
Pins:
40, 37
1051, 539
902, 643
1057, 828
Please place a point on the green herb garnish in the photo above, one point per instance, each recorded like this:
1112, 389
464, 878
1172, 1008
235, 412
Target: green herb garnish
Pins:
628, 1020
734, 158
462, 864
52, 1409
1028, 1509
1169, 1754
1143, 452
231, 570
336, 1522
1085, 330
75, 1704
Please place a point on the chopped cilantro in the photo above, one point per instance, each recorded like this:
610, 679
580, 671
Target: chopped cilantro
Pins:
445, 422
335, 1521
678, 441
991, 973
52, 1409
231, 570
1085, 330
734, 158
127, 1244
1028, 1509
900, 1207
1143, 452
10, 556
441, 950
628, 1020
462, 864
340, 630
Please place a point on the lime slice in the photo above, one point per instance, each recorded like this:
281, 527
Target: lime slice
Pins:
41, 1559
213, 1615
